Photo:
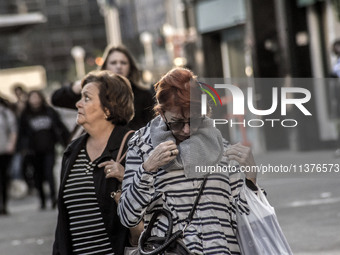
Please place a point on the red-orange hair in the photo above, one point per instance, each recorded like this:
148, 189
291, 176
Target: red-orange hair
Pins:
173, 90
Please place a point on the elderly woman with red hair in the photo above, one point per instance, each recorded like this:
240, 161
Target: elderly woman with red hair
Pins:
159, 172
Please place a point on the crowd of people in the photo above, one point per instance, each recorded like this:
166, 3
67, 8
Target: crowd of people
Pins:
105, 201
30, 130
129, 169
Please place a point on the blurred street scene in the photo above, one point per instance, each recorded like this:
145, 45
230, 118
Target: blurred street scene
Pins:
49, 44
306, 206
270, 44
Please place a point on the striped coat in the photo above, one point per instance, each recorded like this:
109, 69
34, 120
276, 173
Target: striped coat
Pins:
211, 230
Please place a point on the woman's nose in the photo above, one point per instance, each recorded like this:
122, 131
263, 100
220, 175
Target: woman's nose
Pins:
78, 104
186, 128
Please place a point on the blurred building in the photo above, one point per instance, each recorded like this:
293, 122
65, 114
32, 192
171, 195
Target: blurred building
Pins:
273, 39
215, 38
66, 23
154, 31
14, 20
85, 23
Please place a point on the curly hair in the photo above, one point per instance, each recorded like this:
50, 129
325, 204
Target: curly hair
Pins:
115, 95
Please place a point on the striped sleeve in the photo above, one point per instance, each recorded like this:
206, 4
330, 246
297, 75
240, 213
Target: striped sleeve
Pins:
236, 180
138, 189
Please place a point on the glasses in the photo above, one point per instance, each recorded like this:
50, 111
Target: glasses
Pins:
194, 123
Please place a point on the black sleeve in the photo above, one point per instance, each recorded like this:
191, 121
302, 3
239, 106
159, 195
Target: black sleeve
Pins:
61, 132
65, 97
61, 233
23, 136
251, 185
143, 108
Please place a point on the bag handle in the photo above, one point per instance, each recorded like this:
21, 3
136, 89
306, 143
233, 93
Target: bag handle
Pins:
169, 238
120, 157
193, 209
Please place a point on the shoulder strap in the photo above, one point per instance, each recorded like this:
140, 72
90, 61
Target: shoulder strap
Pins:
120, 157
191, 214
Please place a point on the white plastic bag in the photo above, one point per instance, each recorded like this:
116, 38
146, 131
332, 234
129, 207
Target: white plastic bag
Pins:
259, 233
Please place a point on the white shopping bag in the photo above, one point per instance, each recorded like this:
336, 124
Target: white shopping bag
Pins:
259, 233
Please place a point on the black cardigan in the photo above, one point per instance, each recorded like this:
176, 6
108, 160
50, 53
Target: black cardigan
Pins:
118, 234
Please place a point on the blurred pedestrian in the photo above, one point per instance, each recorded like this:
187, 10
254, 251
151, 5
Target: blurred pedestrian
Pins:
336, 51
21, 98
91, 178
40, 130
118, 60
21, 176
335, 89
8, 137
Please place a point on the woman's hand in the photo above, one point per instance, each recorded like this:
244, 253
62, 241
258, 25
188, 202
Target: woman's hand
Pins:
244, 156
160, 156
113, 169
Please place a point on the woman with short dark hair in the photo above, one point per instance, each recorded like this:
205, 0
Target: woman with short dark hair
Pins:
91, 173
113, 95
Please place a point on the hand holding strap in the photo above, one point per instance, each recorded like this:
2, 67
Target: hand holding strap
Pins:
120, 157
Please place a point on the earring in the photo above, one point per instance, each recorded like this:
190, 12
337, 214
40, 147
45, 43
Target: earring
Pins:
106, 117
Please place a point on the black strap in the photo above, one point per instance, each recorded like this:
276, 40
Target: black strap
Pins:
191, 214
169, 237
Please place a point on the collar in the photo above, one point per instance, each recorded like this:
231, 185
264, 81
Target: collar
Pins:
113, 143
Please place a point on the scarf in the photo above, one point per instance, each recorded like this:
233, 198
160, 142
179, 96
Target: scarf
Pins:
203, 148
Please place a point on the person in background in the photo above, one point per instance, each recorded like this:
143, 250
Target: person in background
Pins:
21, 174
8, 137
40, 130
158, 171
91, 178
21, 98
118, 60
336, 66
335, 88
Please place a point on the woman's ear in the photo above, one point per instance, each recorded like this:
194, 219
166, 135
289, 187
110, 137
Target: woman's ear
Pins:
107, 113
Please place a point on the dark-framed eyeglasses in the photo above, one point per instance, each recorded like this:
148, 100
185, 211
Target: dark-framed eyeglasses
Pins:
194, 123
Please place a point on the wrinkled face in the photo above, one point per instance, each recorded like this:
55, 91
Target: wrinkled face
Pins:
90, 110
35, 101
118, 63
181, 126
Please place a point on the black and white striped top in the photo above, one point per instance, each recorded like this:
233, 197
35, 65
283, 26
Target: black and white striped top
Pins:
212, 228
88, 233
